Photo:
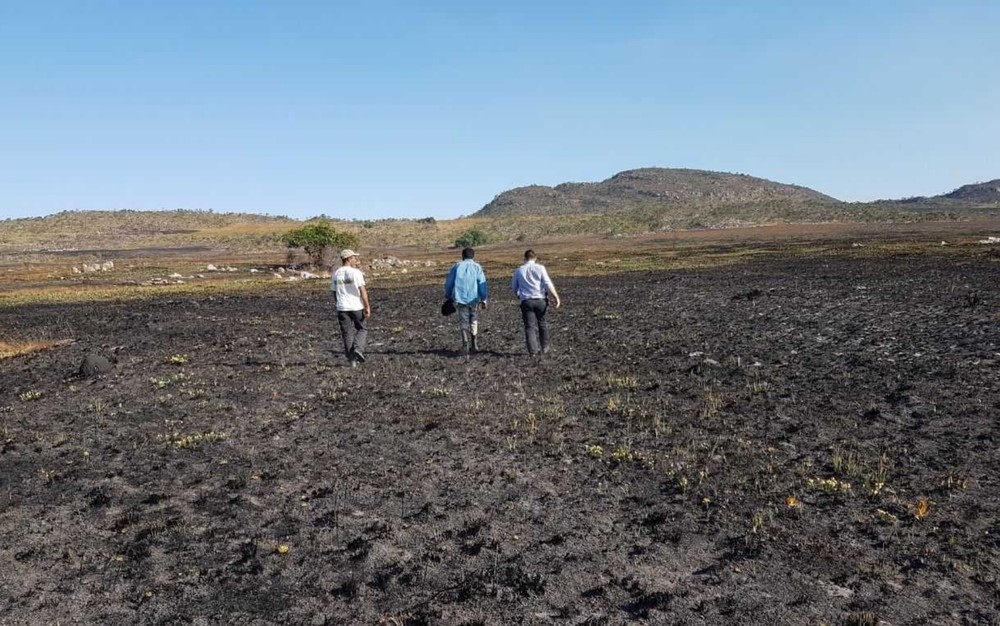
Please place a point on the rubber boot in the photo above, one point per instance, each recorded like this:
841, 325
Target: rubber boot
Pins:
475, 343
465, 342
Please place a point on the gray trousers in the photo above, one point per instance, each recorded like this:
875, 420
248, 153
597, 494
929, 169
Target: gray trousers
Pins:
468, 317
536, 328
354, 331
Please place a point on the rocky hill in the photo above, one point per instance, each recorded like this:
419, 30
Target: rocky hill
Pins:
977, 193
647, 188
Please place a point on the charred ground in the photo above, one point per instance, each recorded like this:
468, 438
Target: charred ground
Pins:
784, 442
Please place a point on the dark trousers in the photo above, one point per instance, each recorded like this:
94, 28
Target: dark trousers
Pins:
536, 328
353, 330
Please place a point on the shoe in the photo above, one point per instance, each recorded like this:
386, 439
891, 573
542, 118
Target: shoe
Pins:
359, 356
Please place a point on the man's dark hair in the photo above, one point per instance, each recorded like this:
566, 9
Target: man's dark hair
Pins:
468, 253
529, 254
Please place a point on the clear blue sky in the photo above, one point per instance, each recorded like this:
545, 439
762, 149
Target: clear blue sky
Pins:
420, 108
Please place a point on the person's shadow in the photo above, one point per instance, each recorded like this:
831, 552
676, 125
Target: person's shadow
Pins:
451, 353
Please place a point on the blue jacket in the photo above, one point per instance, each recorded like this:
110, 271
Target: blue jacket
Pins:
466, 283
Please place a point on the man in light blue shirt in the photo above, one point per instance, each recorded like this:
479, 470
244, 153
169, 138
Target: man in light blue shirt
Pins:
466, 287
533, 287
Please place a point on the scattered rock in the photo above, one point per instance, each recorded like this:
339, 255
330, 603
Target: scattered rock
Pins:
391, 262
87, 268
94, 365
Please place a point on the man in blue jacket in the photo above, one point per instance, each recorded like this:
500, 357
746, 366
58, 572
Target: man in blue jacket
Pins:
466, 287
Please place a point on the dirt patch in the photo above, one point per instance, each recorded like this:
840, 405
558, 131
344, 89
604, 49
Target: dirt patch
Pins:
784, 442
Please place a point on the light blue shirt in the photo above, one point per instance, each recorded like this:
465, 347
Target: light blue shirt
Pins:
466, 283
531, 281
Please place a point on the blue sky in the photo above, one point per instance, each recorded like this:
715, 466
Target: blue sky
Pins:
420, 108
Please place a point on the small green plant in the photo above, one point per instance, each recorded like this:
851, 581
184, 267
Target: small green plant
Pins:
602, 313
623, 453
846, 462
177, 359
682, 483
758, 521
954, 482
30, 395
710, 405
189, 442
862, 618
829, 485
167, 381
757, 385
438, 392
876, 480
622, 381
531, 425
595, 450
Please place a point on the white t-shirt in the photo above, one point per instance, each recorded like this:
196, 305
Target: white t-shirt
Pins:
347, 283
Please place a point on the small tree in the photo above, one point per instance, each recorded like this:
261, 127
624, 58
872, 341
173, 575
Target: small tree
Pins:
316, 239
471, 238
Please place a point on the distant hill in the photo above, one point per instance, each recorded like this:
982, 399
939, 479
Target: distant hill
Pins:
630, 202
69, 230
647, 188
976, 193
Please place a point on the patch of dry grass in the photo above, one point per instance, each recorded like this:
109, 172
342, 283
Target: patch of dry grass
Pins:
61, 293
9, 349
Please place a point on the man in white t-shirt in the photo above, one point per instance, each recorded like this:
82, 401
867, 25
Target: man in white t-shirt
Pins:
353, 309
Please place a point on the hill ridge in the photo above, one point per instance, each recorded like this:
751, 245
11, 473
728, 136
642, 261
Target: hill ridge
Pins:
643, 187
987, 192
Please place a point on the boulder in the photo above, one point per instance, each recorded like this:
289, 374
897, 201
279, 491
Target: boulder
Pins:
94, 365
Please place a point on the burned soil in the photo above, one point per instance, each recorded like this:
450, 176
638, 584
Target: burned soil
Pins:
783, 442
